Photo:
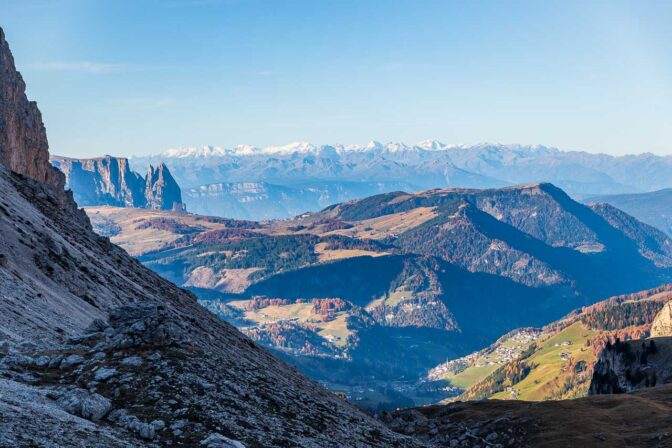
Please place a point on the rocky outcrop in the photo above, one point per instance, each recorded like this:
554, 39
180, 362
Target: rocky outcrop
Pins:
110, 181
102, 181
662, 323
632, 365
23, 139
139, 372
161, 189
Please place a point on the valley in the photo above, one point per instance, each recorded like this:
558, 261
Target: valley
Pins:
384, 295
653, 208
347, 292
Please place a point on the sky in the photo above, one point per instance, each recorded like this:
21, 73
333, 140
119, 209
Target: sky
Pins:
135, 77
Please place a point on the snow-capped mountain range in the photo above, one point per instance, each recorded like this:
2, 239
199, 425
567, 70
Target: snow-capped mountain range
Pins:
309, 148
424, 165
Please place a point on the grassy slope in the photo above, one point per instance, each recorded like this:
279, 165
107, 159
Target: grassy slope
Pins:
470, 376
335, 329
551, 371
563, 371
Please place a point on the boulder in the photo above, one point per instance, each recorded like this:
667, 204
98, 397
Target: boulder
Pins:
82, 403
143, 325
71, 360
132, 361
129, 421
105, 374
216, 440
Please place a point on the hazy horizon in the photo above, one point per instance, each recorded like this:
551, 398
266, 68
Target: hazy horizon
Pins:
137, 78
159, 152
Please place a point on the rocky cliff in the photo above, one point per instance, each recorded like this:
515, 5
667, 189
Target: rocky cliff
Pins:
632, 365
110, 181
102, 181
98, 351
161, 189
23, 140
662, 324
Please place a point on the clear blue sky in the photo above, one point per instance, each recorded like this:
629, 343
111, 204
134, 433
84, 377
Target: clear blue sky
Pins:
141, 76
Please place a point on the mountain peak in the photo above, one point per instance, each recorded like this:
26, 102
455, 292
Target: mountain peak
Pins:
433, 145
161, 189
109, 180
23, 138
374, 145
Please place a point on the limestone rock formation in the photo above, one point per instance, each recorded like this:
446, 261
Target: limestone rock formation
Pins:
662, 324
632, 365
110, 180
102, 181
23, 139
161, 189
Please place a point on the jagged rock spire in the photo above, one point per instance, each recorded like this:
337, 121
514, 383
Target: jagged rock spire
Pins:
161, 189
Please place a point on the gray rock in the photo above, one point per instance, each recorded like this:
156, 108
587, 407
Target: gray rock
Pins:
71, 360
126, 378
99, 356
216, 440
129, 421
144, 430
42, 361
104, 374
97, 325
28, 346
55, 360
179, 424
138, 327
145, 324
89, 339
85, 404
132, 361
16, 360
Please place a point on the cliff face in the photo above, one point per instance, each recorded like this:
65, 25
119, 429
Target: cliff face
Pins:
110, 181
662, 324
632, 365
161, 189
102, 181
23, 139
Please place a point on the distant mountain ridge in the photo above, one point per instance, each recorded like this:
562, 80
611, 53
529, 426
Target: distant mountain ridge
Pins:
109, 180
578, 173
653, 208
425, 165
